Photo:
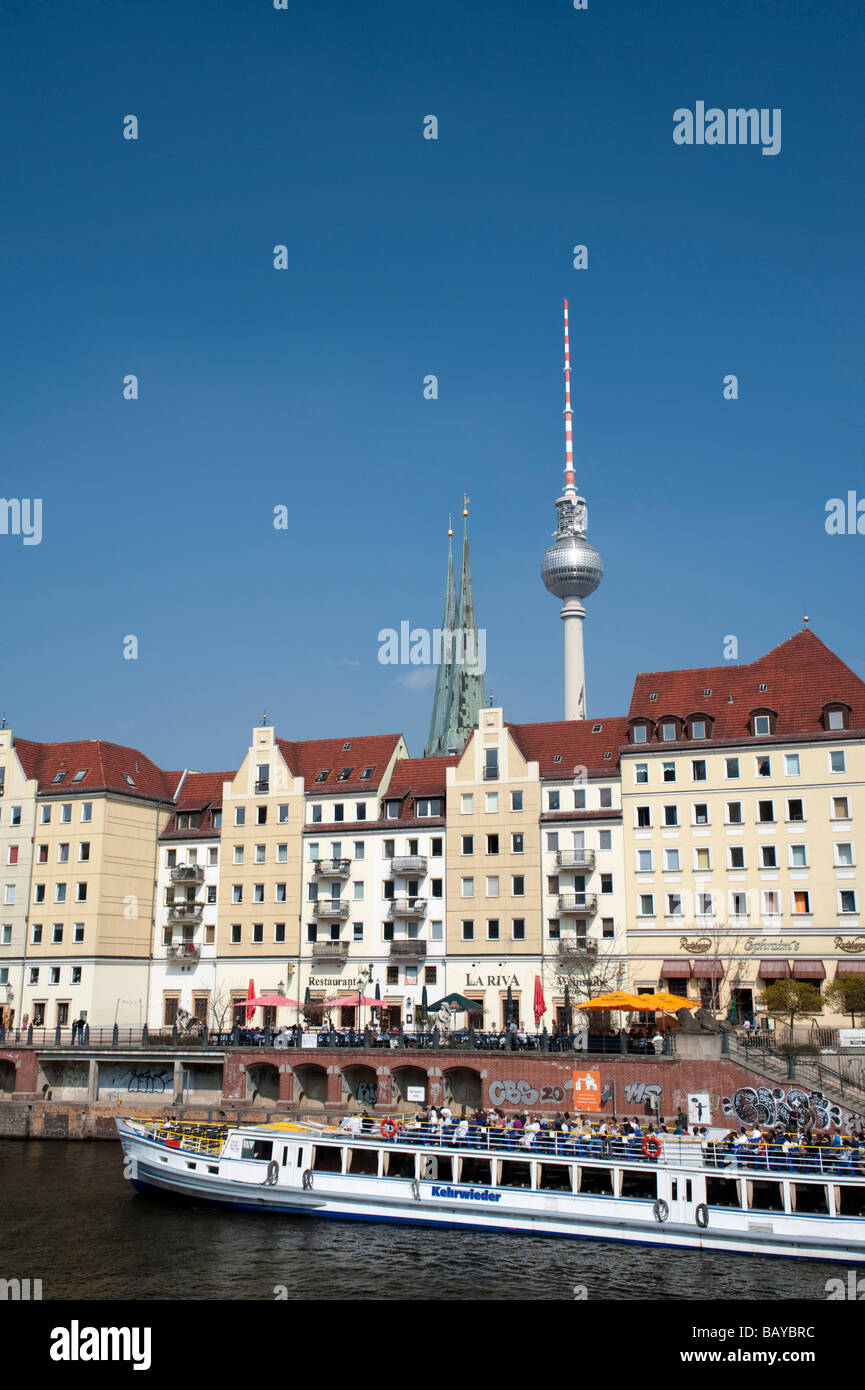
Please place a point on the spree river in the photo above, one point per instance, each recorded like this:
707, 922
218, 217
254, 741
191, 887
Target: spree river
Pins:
71, 1220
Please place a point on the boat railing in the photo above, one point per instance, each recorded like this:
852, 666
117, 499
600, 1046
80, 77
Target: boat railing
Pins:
192, 1138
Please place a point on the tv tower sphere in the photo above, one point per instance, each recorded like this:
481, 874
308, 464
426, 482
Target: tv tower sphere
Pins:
572, 567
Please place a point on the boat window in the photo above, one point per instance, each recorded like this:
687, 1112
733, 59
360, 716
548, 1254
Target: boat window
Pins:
364, 1161
636, 1183
284, 1155
810, 1197
476, 1171
674, 1189
257, 1148
689, 1190
515, 1174
722, 1192
212, 1170
436, 1168
401, 1165
767, 1196
852, 1201
554, 1177
326, 1159
596, 1181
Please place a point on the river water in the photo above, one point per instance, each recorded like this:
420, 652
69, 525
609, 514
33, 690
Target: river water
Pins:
71, 1220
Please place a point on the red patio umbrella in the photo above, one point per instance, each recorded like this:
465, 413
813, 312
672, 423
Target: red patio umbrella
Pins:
352, 1001
273, 1001
540, 1004
250, 1006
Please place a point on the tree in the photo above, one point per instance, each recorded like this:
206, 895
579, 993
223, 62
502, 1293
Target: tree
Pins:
847, 995
588, 970
791, 999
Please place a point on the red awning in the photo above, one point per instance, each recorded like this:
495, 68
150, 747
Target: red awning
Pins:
676, 970
774, 970
850, 967
708, 970
809, 970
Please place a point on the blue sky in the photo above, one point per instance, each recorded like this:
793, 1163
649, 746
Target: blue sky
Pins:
303, 387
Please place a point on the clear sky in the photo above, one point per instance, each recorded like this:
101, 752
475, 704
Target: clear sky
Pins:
304, 387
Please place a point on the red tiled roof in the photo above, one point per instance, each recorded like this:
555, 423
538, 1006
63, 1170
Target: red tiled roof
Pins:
307, 759
202, 789
575, 743
418, 777
801, 676
104, 765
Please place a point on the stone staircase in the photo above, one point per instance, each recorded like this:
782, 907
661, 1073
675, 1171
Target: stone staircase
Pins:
818, 1072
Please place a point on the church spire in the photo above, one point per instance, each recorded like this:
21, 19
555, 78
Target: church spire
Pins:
441, 699
459, 694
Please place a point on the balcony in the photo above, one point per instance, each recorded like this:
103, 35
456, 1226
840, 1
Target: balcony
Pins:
186, 912
406, 907
575, 859
332, 868
187, 873
411, 949
409, 864
186, 951
491, 774
329, 950
576, 949
578, 902
331, 907
262, 788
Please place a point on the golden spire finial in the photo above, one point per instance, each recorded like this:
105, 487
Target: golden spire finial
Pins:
466, 500
450, 523
806, 620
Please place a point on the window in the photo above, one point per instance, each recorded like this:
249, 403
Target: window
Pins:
87, 810
66, 813
357, 931
698, 728
640, 733
54, 978
389, 849
765, 811
260, 851
257, 933
6, 934
731, 769
216, 819
606, 883
60, 892
279, 892
847, 900
261, 815
427, 806
339, 810
763, 766
792, 766
738, 904
647, 905
698, 769
701, 813
366, 774
437, 886
467, 887
840, 808
492, 801
315, 815
801, 902
518, 886
258, 892
608, 927
391, 810
668, 772
83, 851
235, 934
436, 931
518, 928
15, 816
36, 933
81, 892
702, 860
44, 815
42, 855
606, 797
436, 848
240, 815
798, 856
844, 854
668, 733
343, 774
838, 761
705, 905
552, 840
644, 861
795, 809
492, 844
762, 724
492, 885
492, 929
736, 856
211, 893
78, 932
605, 839
516, 801
553, 929
323, 775
671, 861
237, 892
553, 801
517, 843
468, 844
641, 773
467, 804
771, 902
238, 854
468, 930
279, 933
580, 799
34, 980
768, 857
76, 975
644, 817
671, 815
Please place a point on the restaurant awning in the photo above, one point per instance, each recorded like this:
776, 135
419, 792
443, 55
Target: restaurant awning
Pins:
675, 970
809, 970
708, 970
850, 967
774, 970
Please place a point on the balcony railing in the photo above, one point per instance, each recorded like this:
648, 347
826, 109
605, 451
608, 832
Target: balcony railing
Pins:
262, 788
332, 868
491, 774
574, 947
329, 950
576, 859
185, 950
407, 907
186, 912
409, 864
331, 907
187, 873
412, 948
578, 902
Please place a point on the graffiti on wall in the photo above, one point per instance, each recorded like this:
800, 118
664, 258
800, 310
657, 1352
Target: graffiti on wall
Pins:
638, 1092
366, 1092
149, 1083
522, 1092
792, 1108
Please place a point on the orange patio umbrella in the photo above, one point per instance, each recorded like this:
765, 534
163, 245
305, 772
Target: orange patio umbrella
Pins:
667, 1003
616, 999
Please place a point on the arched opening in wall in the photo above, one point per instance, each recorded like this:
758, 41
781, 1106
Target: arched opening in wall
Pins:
409, 1087
360, 1085
463, 1088
310, 1086
262, 1087
7, 1078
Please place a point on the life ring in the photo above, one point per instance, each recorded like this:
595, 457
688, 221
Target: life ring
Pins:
660, 1210
388, 1129
652, 1147
272, 1173
701, 1215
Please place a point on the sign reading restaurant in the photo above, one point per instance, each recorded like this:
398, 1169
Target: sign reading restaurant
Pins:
326, 981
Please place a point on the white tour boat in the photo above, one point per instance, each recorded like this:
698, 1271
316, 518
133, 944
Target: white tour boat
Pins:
658, 1190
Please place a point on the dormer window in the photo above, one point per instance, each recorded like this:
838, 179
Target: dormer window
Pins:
640, 733
391, 810
323, 775
60, 776
762, 721
366, 774
343, 774
669, 731
699, 726
836, 716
